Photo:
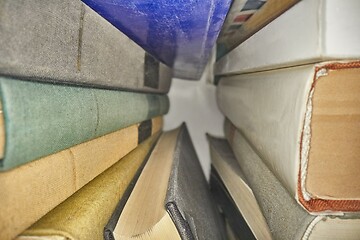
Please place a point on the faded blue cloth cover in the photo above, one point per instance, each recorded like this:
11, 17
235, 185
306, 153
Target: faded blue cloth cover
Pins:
181, 34
41, 119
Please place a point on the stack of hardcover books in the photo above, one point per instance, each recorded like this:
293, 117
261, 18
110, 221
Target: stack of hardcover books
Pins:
290, 166
77, 96
82, 151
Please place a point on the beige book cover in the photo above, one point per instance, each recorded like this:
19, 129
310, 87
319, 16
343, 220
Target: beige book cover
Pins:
85, 213
304, 123
171, 199
227, 176
32, 190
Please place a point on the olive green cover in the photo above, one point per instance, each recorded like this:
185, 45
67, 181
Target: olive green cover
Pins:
41, 119
85, 214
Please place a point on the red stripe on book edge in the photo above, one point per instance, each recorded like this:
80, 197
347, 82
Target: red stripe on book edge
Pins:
318, 204
242, 18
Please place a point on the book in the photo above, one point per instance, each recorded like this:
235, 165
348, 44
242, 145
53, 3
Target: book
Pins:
179, 34
285, 217
233, 194
235, 223
56, 117
245, 18
85, 213
328, 32
171, 199
67, 42
303, 122
33, 189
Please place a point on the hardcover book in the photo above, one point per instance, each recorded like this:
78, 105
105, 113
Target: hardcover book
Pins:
285, 217
233, 194
56, 117
84, 215
33, 189
177, 205
245, 18
311, 31
303, 121
67, 42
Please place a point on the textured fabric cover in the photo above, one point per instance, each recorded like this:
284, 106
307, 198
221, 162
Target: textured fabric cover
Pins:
188, 196
144, 133
84, 214
66, 41
285, 217
41, 119
31, 190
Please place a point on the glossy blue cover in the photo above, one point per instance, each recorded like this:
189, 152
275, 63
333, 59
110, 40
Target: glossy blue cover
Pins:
180, 33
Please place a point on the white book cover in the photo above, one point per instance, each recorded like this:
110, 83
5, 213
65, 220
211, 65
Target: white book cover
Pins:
304, 123
311, 31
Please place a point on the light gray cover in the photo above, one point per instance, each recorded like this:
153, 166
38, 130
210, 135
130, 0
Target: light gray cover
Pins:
285, 217
188, 201
66, 41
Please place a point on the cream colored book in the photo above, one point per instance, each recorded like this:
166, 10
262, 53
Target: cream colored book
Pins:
31, 190
309, 32
304, 123
171, 199
231, 176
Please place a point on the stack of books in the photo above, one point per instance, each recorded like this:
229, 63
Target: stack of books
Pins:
289, 168
82, 151
77, 96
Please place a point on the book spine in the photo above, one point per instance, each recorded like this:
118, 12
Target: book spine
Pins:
329, 32
188, 198
285, 217
84, 215
268, 108
41, 119
43, 184
38, 44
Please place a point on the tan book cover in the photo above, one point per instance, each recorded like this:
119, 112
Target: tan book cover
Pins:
84, 214
32, 190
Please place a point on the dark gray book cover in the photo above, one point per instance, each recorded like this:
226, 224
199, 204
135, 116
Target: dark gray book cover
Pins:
67, 42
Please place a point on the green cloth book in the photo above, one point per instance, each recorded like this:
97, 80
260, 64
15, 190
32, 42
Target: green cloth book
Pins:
41, 119
33, 189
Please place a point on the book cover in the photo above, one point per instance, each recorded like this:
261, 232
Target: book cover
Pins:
285, 217
177, 197
85, 213
41, 119
303, 122
180, 34
33, 189
67, 42
233, 193
227, 207
311, 31
245, 18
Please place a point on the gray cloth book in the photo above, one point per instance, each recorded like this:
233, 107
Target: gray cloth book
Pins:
171, 198
67, 42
